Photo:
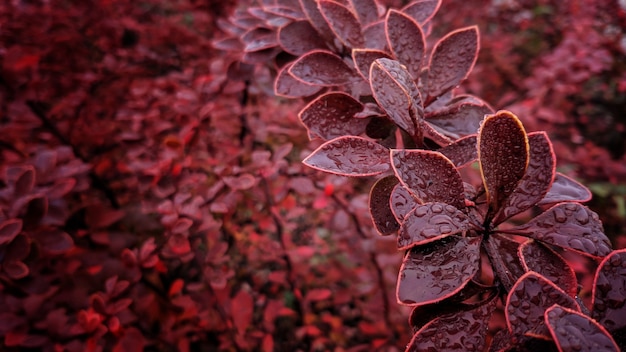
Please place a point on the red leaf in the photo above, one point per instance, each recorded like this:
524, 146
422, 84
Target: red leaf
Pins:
300, 37
242, 309
402, 202
422, 10
332, 115
317, 20
375, 37
462, 152
366, 10
350, 156
25, 182
431, 222
54, 241
543, 260
288, 86
258, 39
406, 41
9, 229
452, 60
430, 176
438, 270
363, 59
379, 205
566, 189
573, 331
609, 299
343, 23
98, 216
15, 269
318, 294
322, 68
460, 118
240, 182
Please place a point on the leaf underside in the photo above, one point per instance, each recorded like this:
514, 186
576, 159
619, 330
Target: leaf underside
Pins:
430, 222
573, 331
609, 291
332, 115
350, 156
543, 260
379, 206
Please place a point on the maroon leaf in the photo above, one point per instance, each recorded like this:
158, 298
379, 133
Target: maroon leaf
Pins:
536, 181
509, 251
322, 68
288, 86
430, 176
570, 226
503, 155
258, 39
9, 229
228, 44
290, 10
366, 10
461, 331
25, 182
406, 41
452, 60
388, 79
375, 37
350, 156
401, 202
379, 206
313, 14
261, 56
573, 331
15, 269
300, 37
566, 189
543, 260
343, 23
527, 301
463, 151
438, 270
332, 115
422, 10
609, 291
54, 241
363, 59
459, 119
430, 222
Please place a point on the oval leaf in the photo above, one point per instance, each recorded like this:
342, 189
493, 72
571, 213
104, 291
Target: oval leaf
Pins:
543, 260
422, 10
332, 115
322, 68
502, 154
459, 119
343, 23
366, 10
401, 202
289, 87
573, 331
462, 152
9, 229
300, 37
258, 39
350, 156
438, 270
570, 226
379, 205
375, 37
406, 41
566, 189
430, 176
430, 222
452, 60
363, 59
313, 14
609, 296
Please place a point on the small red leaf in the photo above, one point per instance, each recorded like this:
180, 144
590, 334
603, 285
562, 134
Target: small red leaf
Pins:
379, 206
298, 38
566, 189
55, 241
452, 60
343, 23
462, 152
609, 297
543, 260
242, 309
430, 222
9, 229
350, 156
438, 270
288, 86
406, 41
332, 115
322, 68
401, 202
573, 331
240, 182
15, 269
430, 176
363, 59
422, 10
318, 294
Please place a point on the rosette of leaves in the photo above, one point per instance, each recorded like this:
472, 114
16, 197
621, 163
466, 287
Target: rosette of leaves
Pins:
446, 226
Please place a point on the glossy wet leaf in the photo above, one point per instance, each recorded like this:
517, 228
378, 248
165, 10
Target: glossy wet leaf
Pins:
374, 34
343, 23
429, 222
461, 331
460, 119
401, 202
332, 115
379, 205
363, 59
570, 226
609, 291
438, 270
536, 181
406, 41
322, 68
527, 302
10, 228
287, 86
422, 10
452, 60
258, 39
300, 37
565, 189
543, 260
317, 20
350, 156
430, 176
573, 331
462, 151
503, 155
366, 11
387, 81
509, 251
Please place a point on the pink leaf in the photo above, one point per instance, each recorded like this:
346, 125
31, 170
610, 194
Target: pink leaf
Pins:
322, 68
332, 115
343, 23
350, 156
406, 41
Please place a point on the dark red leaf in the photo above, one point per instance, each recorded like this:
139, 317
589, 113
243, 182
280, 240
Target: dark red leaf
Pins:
350, 156
15, 269
438, 270
363, 59
406, 41
242, 309
379, 205
375, 37
317, 20
332, 115
36, 209
422, 10
609, 291
527, 301
430, 222
322, 68
318, 294
54, 241
288, 86
461, 331
366, 11
401, 202
570, 226
290, 10
300, 37
343, 23
228, 44
430, 176
98, 216
566, 189
24, 183
543, 260
258, 39
9, 229
573, 331
463, 151
503, 155
459, 119
509, 251
536, 181
261, 56
452, 60
18, 249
